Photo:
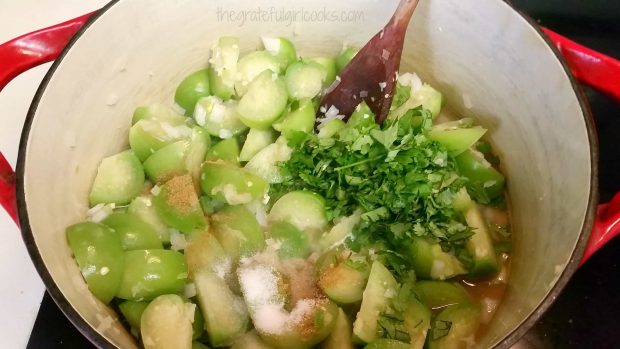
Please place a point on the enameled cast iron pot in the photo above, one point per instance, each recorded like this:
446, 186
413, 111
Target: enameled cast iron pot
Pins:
489, 61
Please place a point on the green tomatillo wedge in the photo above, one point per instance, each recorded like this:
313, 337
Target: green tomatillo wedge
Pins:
132, 311
149, 135
99, 254
485, 182
219, 118
223, 69
377, 296
226, 150
303, 209
343, 275
167, 323
294, 241
226, 316
234, 185
282, 49
120, 178
236, 228
143, 207
255, 141
135, 234
329, 64
264, 101
178, 205
191, 89
156, 112
299, 118
267, 162
305, 80
345, 57
167, 162
151, 273
455, 327
252, 65
340, 338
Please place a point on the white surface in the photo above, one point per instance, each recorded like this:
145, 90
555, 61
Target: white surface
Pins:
21, 289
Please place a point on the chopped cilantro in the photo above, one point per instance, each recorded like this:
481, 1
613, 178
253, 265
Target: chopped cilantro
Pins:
392, 326
503, 247
403, 181
440, 329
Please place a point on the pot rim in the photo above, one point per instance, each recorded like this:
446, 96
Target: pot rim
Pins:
590, 215
508, 340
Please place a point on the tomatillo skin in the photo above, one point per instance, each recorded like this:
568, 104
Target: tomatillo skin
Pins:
481, 174
132, 311
191, 89
135, 234
151, 273
99, 253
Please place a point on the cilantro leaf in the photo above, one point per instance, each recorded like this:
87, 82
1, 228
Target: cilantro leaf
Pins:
386, 137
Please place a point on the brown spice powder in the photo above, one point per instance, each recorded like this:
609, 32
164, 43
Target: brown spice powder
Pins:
306, 324
301, 280
179, 192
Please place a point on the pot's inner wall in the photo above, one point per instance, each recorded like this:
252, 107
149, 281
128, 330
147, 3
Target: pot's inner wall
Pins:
476, 51
491, 64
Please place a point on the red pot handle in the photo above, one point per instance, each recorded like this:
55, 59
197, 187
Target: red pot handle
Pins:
590, 67
17, 56
30, 50
606, 226
603, 73
7, 189
38, 47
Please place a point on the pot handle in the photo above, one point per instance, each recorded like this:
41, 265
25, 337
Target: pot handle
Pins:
38, 47
7, 189
606, 227
593, 68
17, 56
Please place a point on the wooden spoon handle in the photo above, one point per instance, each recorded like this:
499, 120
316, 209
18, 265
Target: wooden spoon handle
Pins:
404, 11
371, 74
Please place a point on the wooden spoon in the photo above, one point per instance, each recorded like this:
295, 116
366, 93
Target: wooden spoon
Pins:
371, 74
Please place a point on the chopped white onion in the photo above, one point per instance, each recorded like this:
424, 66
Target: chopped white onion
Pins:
189, 291
385, 54
112, 100
332, 112
178, 109
100, 212
177, 240
155, 190
272, 45
259, 211
412, 80
176, 132
225, 134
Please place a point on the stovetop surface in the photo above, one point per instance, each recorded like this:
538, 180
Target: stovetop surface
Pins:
587, 313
